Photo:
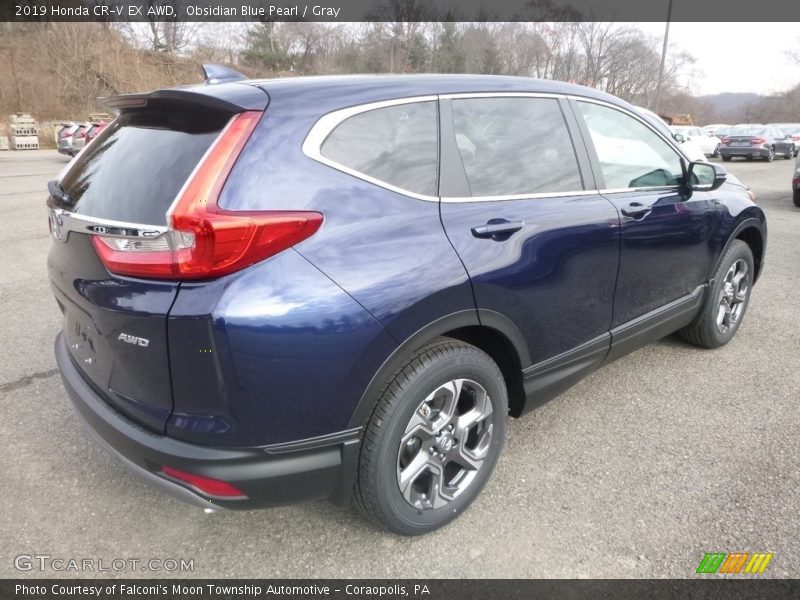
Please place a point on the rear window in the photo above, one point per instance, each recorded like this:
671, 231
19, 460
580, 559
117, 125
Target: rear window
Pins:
138, 164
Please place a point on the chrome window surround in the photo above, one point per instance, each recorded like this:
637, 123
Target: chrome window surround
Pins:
312, 145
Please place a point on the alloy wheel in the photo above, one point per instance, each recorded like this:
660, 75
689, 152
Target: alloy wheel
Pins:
445, 444
733, 296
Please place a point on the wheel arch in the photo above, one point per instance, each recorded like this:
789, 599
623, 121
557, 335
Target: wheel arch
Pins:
489, 331
752, 231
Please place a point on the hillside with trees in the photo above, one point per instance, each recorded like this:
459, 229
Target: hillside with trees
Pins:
58, 70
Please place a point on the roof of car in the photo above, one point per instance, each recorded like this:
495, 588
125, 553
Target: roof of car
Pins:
348, 90
326, 93
384, 87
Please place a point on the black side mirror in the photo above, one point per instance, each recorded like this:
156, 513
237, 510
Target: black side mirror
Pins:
678, 137
705, 177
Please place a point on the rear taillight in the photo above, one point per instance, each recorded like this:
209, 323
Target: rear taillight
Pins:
726, 140
758, 141
65, 133
204, 240
206, 485
796, 138
81, 133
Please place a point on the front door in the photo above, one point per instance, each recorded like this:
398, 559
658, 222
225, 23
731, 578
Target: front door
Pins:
667, 231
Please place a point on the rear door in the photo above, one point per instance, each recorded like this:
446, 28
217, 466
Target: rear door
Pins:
518, 203
124, 183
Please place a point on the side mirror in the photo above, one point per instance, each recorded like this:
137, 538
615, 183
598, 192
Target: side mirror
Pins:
678, 137
705, 177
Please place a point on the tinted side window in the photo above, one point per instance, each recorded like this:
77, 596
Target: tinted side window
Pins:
398, 145
631, 154
515, 146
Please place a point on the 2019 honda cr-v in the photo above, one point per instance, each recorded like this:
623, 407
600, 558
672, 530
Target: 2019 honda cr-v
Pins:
324, 287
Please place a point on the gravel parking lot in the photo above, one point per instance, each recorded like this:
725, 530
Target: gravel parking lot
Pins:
638, 471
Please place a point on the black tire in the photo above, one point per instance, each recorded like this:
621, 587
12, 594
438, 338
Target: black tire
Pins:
704, 330
726, 158
790, 154
377, 489
771, 156
797, 198
716, 152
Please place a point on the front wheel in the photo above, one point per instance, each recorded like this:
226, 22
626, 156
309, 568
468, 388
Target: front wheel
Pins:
789, 154
726, 300
433, 439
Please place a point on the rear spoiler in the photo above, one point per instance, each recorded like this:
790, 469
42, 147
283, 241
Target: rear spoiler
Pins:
227, 97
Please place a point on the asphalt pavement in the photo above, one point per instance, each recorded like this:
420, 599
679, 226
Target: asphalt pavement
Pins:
639, 470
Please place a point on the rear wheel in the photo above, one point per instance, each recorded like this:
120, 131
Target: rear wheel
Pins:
770, 155
726, 158
726, 300
716, 152
434, 438
797, 198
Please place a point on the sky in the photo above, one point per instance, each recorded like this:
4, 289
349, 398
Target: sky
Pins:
735, 57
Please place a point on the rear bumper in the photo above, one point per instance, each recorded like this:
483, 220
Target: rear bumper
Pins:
269, 475
754, 151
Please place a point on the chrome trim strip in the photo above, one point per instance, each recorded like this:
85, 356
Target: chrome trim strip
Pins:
536, 196
467, 95
63, 222
655, 188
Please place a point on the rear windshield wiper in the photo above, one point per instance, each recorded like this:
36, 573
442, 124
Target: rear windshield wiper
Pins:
58, 192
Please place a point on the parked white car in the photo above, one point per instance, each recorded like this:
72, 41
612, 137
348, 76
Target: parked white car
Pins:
717, 129
708, 144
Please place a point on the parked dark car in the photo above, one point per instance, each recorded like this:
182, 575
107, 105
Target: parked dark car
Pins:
792, 129
305, 288
756, 141
796, 183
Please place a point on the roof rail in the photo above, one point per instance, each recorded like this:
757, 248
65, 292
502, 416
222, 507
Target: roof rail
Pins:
218, 74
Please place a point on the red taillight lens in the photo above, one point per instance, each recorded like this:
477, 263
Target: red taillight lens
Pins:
65, 133
726, 140
206, 241
80, 133
757, 141
206, 485
796, 138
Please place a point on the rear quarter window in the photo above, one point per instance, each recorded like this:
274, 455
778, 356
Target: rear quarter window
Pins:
398, 145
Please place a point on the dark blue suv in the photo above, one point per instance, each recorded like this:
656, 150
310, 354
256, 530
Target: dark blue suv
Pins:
323, 287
